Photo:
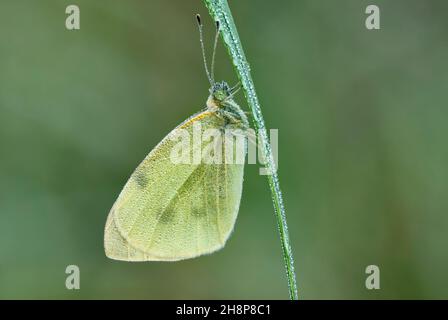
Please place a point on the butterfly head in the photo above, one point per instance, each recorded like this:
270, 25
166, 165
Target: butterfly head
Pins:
219, 93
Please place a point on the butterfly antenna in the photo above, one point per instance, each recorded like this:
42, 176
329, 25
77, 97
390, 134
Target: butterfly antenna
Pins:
215, 44
201, 38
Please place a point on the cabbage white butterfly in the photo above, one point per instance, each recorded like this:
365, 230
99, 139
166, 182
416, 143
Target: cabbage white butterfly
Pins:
172, 211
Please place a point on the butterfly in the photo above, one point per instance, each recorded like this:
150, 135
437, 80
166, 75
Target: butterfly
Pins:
174, 210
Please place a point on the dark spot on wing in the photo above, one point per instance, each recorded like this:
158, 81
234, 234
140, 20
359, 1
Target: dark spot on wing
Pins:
141, 179
166, 215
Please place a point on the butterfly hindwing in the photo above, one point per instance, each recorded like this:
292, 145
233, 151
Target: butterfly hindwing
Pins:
172, 211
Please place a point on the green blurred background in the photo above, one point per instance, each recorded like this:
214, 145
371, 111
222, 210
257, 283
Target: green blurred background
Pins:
362, 118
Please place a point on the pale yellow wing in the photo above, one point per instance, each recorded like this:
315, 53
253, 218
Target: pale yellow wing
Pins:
170, 212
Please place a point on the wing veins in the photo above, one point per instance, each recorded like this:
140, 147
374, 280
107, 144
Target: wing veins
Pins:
165, 210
